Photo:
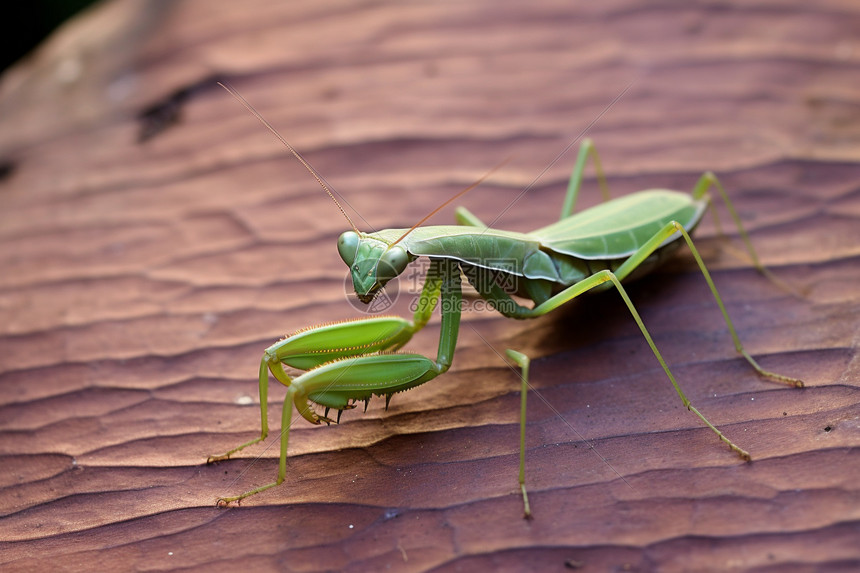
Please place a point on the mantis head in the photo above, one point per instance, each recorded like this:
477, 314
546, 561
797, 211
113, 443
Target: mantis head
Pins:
372, 262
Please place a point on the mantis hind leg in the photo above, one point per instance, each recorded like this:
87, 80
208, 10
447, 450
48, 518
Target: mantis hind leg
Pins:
507, 306
586, 150
637, 258
467, 218
705, 182
735, 338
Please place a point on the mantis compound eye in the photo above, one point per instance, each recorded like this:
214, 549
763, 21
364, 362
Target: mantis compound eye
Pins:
391, 263
347, 246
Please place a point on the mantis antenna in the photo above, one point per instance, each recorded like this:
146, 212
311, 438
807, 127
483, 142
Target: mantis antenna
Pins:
295, 153
449, 201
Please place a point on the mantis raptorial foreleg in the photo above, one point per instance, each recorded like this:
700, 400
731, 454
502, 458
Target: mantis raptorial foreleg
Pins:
312, 347
343, 363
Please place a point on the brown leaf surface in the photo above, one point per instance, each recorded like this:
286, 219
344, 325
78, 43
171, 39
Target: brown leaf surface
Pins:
140, 281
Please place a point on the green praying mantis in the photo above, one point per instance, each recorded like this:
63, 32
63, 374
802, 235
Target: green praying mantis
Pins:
597, 249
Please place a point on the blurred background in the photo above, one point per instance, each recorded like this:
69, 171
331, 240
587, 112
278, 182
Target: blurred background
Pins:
25, 24
155, 239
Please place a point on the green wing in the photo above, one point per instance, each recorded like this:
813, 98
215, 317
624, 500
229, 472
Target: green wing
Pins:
617, 228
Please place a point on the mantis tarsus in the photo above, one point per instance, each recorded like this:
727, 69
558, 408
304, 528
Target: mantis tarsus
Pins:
350, 361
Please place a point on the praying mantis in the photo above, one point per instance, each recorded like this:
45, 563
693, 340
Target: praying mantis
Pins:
596, 249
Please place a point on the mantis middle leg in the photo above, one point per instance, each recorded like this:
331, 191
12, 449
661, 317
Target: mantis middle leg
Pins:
586, 150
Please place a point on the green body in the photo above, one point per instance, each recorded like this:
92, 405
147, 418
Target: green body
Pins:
547, 260
596, 249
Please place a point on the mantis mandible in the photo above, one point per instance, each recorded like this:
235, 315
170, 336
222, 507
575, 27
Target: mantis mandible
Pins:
596, 249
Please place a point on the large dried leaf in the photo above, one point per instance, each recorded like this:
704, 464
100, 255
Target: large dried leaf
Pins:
154, 240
